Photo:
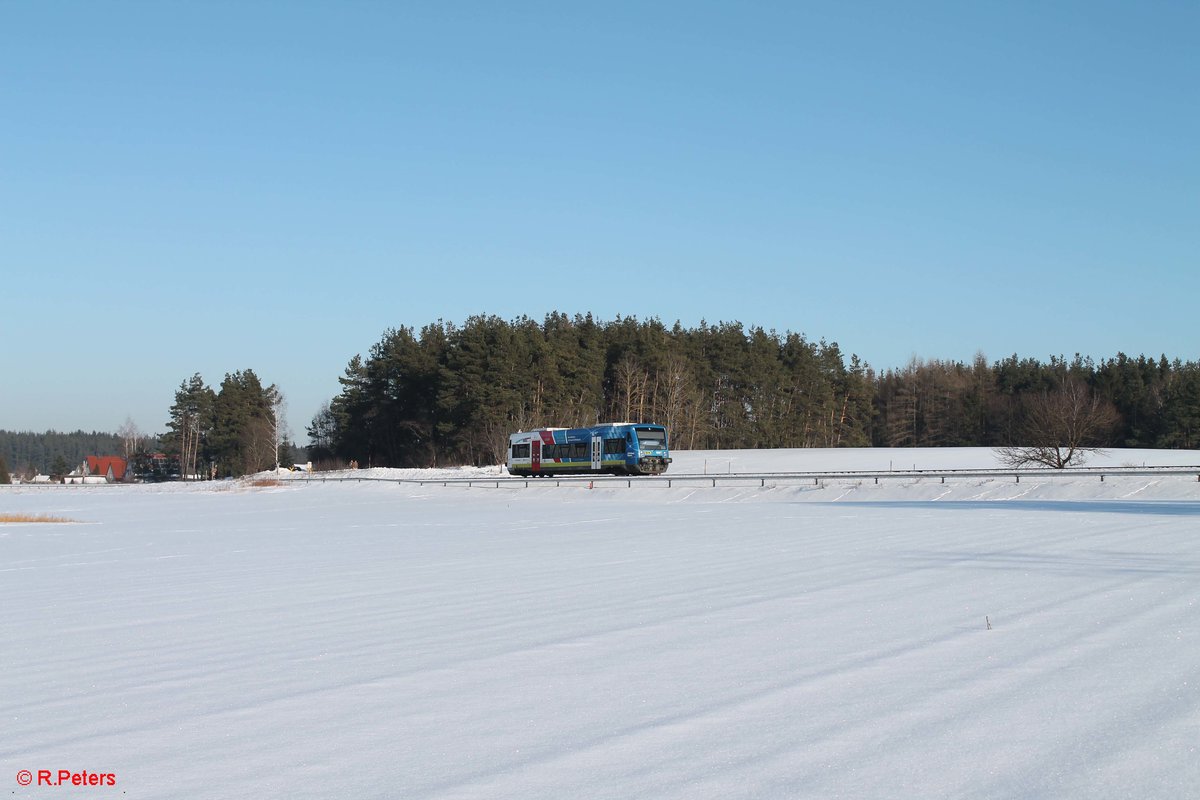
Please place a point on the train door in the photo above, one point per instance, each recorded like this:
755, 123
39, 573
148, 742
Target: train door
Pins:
535, 456
597, 452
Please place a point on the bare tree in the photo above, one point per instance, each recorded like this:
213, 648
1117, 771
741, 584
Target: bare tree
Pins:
131, 437
1062, 427
493, 438
279, 426
632, 384
674, 381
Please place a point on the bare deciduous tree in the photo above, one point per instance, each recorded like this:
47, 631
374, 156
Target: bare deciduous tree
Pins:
278, 420
131, 437
632, 384
1062, 427
674, 382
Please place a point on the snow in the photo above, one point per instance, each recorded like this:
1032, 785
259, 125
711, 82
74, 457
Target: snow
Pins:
386, 640
898, 459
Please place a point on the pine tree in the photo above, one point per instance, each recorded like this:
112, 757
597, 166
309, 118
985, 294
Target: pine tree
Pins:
401, 381
352, 415
1181, 417
59, 468
190, 425
242, 439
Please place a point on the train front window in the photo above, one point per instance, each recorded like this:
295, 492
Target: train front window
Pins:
652, 438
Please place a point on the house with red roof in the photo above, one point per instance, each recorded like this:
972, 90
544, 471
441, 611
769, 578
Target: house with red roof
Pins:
111, 468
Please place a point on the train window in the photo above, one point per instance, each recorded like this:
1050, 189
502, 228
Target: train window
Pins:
520, 451
579, 450
614, 447
652, 438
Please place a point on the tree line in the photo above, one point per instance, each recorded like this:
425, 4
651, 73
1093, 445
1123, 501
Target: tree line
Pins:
1122, 401
451, 394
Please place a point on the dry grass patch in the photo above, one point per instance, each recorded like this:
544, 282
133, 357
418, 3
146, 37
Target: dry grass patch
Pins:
33, 518
265, 482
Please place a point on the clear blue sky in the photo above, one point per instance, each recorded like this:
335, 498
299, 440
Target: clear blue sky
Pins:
208, 187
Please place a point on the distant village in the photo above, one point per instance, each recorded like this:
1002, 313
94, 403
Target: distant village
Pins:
142, 468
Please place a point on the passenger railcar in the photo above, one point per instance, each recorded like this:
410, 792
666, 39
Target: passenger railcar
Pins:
617, 448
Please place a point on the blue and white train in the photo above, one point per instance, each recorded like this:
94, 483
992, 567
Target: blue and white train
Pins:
616, 448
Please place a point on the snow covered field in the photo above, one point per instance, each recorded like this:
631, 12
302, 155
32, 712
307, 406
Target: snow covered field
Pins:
375, 640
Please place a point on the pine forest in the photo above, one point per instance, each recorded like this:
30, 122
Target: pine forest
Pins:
451, 394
